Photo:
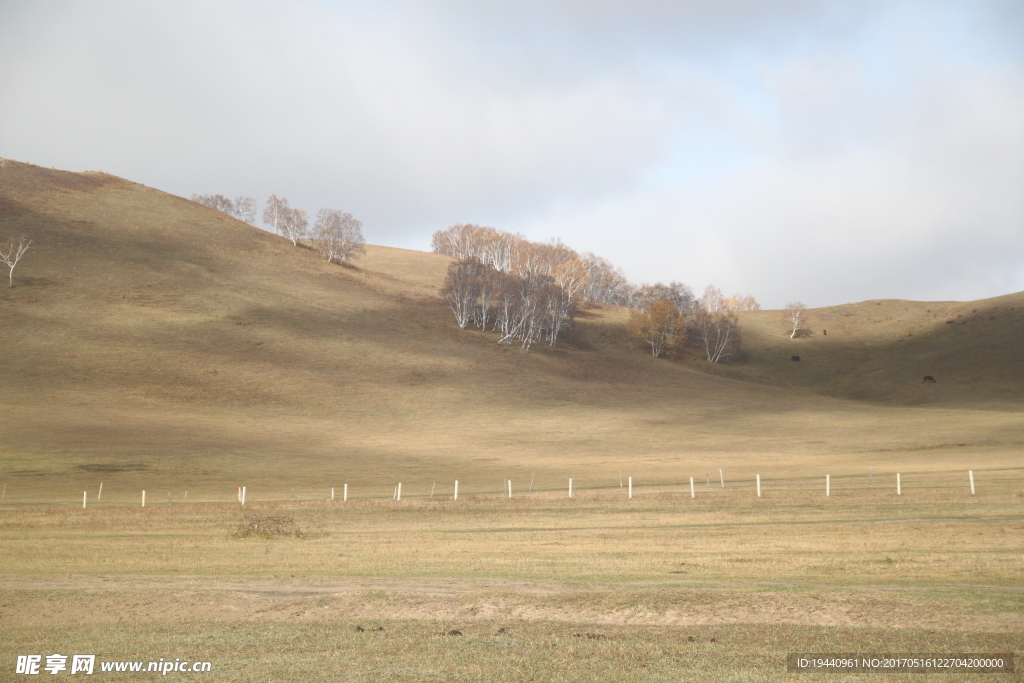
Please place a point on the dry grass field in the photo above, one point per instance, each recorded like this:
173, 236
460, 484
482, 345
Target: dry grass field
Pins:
154, 344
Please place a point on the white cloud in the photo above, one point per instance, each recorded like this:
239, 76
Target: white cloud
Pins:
813, 149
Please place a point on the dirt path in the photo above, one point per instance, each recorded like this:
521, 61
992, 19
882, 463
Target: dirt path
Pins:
66, 600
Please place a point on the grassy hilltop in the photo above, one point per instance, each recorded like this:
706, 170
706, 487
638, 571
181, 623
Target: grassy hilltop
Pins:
156, 339
152, 343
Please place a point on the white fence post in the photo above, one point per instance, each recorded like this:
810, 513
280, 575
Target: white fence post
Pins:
692, 494
243, 496
99, 496
143, 497
970, 475
570, 487
759, 486
898, 491
398, 493
510, 488
722, 478
631, 487
456, 497
827, 485
84, 498
332, 493
344, 494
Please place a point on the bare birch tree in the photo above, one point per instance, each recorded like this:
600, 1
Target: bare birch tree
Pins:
795, 316
715, 333
275, 212
11, 253
245, 209
294, 225
215, 201
712, 301
337, 235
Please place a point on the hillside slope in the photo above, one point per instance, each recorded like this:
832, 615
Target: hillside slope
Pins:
146, 331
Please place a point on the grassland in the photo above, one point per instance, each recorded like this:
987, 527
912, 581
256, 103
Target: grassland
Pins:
154, 344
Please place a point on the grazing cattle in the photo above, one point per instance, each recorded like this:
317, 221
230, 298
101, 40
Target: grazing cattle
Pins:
928, 379
796, 358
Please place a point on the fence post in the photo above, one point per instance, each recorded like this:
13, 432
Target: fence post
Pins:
759, 486
84, 495
532, 477
970, 475
456, 497
570, 487
510, 488
432, 485
100, 495
332, 493
631, 487
143, 497
243, 496
722, 478
344, 494
398, 493
620, 479
898, 491
692, 494
827, 485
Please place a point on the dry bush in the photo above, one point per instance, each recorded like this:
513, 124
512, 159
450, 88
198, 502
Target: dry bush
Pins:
273, 526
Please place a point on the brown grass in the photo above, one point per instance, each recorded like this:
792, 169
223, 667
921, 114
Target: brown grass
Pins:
155, 344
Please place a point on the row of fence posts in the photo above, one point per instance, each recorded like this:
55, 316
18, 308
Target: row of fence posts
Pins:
397, 495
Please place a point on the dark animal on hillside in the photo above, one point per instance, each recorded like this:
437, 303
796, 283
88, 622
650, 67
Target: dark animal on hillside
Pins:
928, 379
795, 358
824, 333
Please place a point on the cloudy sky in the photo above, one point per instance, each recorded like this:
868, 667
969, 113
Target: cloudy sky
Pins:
814, 150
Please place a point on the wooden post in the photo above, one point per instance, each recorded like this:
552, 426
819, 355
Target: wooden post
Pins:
970, 475
631, 487
243, 496
759, 486
456, 497
398, 492
100, 495
510, 489
432, 485
332, 493
827, 485
692, 494
143, 497
570, 487
898, 491
344, 494
85, 495
722, 478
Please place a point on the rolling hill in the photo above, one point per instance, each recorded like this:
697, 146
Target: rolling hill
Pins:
148, 336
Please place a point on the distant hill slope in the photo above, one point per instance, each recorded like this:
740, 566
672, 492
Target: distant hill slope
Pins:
141, 322
881, 351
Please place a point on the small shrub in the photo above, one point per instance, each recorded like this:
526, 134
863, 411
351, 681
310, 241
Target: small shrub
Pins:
272, 526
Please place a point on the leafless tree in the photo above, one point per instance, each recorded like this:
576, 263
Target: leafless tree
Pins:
337, 235
11, 253
245, 209
275, 212
294, 225
715, 333
712, 301
460, 290
215, 201
796, 318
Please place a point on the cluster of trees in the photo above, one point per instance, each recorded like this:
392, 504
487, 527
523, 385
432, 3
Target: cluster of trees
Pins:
241, 207
336, 235
527, 291
670, 320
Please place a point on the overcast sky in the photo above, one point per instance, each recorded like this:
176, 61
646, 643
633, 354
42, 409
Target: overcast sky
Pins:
806, 150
